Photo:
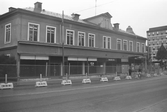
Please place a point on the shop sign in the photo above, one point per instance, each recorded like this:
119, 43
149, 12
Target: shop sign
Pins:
111, 59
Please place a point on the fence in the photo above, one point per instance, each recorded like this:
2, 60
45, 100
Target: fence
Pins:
33, 71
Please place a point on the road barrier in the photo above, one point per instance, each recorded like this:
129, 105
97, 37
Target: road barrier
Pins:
41, 83
104, 79
6, 85
117, 78
128, 77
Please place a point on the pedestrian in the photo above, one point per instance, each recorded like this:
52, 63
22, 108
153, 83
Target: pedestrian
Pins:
130, 71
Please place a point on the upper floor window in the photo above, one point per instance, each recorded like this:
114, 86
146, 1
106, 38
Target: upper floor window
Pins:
81, 38
142, 47
8, 33
130, 45
51, 34
70, 37
137, 47
107, 42
33, 32
125, 45
119, 44
91, 40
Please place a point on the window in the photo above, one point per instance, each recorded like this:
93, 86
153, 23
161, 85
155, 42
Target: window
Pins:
51, 34
91, 40
8, 33
130, 45
106, 42
137, 47
142, 47
81, 38
70, 37
119, 44
33, 32
125, 45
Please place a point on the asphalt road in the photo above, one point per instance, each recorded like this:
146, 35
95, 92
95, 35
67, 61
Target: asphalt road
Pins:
131, 96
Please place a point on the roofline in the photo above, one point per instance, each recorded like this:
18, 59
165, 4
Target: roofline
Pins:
96, 16
94, 26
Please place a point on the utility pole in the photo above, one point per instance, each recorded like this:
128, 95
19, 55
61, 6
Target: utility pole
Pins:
63, 43
95, 6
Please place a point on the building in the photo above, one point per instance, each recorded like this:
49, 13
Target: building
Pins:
34, 37
156, 36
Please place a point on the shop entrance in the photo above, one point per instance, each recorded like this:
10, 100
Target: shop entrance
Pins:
55, 69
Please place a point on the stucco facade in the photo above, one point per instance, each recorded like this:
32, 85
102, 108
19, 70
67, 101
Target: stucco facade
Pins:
24, 49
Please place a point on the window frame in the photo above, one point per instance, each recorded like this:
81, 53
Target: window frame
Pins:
136, 46
54, 33
38, 31
126, 46
73, 36
129, 46
6, 42
120, 44
106, 42
143, 44
89, 37
84, 38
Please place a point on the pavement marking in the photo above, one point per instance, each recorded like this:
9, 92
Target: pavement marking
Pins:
66, 90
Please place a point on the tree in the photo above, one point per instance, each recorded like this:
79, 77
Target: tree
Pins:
161, 54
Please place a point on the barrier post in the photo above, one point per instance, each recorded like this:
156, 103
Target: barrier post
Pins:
6, 78
40, 77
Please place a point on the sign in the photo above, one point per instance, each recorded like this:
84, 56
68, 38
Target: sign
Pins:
111, 59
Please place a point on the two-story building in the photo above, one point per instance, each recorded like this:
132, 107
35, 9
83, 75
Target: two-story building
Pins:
35, 37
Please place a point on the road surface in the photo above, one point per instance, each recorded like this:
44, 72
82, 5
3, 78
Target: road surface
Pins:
131, 96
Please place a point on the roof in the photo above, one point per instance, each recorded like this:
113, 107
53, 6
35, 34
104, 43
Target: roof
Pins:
103, 14
161, 28
57, 15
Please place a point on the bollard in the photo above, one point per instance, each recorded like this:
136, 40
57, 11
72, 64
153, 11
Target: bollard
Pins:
6, 78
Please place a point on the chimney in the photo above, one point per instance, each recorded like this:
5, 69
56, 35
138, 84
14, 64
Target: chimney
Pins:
129, 30
38, 7
11, 9
75, 16
116, 26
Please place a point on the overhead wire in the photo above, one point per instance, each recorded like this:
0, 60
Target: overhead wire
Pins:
96, 6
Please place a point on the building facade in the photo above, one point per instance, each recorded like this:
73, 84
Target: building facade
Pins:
36, 37
156, 36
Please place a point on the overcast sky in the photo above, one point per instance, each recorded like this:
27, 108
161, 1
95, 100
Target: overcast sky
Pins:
139, 14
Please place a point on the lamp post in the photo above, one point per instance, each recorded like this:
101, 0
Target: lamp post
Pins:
62, 43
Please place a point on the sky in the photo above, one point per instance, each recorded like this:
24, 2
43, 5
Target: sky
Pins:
139, 14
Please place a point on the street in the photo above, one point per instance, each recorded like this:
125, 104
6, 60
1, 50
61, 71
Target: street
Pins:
130, 96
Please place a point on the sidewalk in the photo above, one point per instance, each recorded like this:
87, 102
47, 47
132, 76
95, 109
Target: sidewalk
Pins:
157, 107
